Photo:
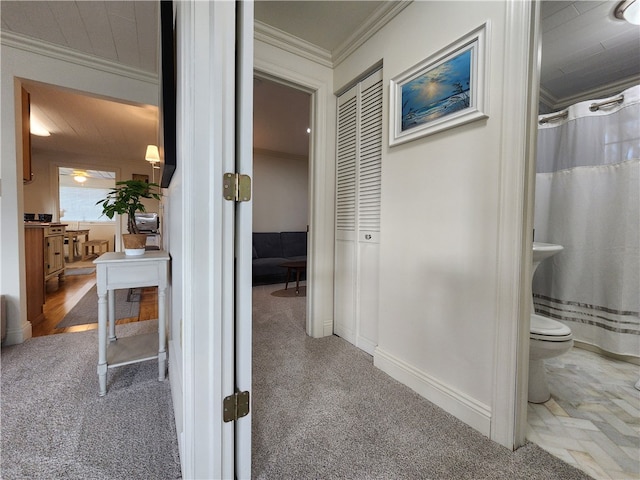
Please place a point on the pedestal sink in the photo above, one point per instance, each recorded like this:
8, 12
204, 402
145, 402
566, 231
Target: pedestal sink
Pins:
542, 251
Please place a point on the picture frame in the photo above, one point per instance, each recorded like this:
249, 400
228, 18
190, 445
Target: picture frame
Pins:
446, 90
140, 177
168, 122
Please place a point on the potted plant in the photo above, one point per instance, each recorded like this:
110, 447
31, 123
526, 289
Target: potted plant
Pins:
126, 198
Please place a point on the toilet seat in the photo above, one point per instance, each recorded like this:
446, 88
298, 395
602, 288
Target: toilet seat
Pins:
548, 330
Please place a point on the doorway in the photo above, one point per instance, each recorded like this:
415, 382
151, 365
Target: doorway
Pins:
99, 141
281, 188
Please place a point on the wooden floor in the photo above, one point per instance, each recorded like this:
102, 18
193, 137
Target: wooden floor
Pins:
63, 296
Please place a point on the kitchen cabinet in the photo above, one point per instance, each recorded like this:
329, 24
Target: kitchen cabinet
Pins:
44, 259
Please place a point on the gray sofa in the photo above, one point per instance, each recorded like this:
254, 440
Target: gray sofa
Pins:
272, 249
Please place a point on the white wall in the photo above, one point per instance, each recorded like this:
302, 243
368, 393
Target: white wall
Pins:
57, 69
441, 209
280, 193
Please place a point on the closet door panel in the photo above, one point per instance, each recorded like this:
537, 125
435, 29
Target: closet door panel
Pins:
346, 195
358, 193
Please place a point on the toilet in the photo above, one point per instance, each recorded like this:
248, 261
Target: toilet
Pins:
548, 338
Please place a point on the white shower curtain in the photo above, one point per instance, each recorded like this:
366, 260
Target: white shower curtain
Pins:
587, 200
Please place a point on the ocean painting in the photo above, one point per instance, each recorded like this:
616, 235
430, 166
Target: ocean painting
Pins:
439, 92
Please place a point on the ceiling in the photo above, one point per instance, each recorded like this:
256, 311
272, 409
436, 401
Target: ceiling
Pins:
584, 49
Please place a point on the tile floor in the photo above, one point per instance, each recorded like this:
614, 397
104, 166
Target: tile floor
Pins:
592, 420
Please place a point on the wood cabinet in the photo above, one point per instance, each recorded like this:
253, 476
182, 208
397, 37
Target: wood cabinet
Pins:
54, 248
44, 259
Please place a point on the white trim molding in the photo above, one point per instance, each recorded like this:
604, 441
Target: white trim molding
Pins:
40, 47
292, 44
289, 43
600, 92
376, 21
517, 153
461, 406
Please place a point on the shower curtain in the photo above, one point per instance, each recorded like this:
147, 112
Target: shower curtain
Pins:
587, 200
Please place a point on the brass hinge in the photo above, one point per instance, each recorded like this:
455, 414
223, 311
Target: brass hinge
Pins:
237, 188
235, 406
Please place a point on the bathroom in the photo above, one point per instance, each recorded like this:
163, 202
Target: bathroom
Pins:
584, 379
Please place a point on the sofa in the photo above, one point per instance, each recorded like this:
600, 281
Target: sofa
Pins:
272, 249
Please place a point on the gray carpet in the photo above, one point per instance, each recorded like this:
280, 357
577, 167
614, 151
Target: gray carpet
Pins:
86, 310
321, 410
54, 425
291, 292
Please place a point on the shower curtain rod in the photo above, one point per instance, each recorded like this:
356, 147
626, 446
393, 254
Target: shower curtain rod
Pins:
560, 115
594, 107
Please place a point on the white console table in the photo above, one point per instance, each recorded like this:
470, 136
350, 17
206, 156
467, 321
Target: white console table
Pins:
115, 270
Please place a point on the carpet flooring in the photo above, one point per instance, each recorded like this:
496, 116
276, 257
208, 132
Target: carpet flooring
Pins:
55, 426
291, 292
321, 410
86, 310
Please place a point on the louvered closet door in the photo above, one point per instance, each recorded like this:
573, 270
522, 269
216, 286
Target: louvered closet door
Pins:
358, 192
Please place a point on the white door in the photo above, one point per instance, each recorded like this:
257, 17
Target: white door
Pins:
358, 197
244, 227
215, 70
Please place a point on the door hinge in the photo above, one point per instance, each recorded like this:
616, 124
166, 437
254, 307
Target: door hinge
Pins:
237, 187
235, 406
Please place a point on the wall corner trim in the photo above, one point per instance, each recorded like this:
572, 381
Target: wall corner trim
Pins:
378, 19
461, 406
39, 47
289, 43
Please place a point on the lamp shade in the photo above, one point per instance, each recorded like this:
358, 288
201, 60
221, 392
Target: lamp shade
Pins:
152, 154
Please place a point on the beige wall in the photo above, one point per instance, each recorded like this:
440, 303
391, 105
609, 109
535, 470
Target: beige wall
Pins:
41, 195
440, 219
280, 193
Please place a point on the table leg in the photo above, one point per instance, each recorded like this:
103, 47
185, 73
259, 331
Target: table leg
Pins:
112, 316
286, 285
162, 338
102, 343
297, 281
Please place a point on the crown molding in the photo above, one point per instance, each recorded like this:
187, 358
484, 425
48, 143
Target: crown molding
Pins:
285, 41
378, 19
593, 94
292, 44
40, 47
547, 99
276, 154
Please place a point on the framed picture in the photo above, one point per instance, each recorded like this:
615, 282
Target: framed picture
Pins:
443, 91
168, 125
140, 177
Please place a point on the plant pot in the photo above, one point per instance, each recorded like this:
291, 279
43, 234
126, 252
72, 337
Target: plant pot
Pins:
134, 243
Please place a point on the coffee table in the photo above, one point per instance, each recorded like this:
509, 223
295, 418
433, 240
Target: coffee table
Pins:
298, 267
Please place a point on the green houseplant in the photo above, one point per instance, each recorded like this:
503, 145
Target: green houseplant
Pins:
126, 198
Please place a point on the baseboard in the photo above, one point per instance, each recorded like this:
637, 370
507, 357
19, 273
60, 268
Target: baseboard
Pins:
345, 333
13, 336
366, 345
328, 327
175, 380
461, 406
